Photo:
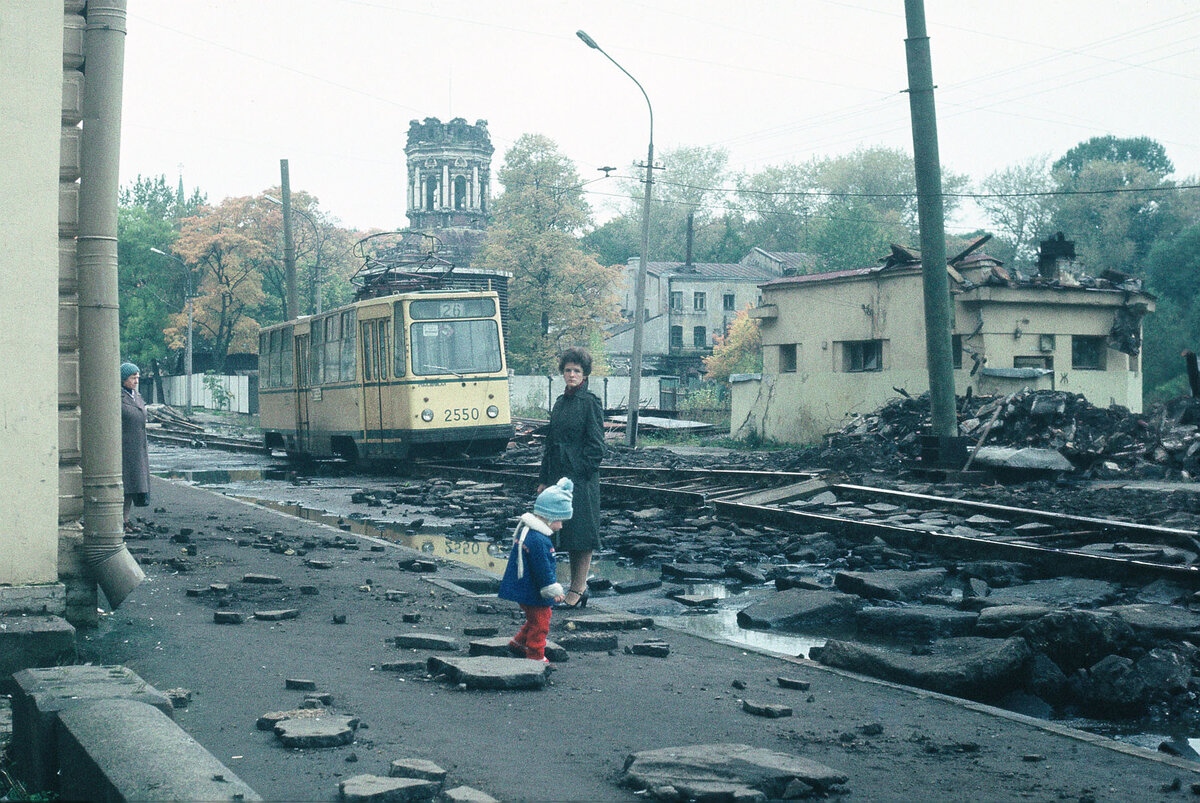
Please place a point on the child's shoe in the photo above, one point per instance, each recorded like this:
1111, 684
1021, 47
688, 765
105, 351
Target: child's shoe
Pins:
516, 648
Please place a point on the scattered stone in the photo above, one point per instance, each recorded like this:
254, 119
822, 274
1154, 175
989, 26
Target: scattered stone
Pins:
193, 592
890, 584
269, 720
871, 729
322, 698
589, 642
426, 641
636, 586
1002, 621
483, 632
310, 591
394, 595
921, 621
1077, 639
300, 684
792, 683
798, 608
1179, 747
1150, 621
262, 579
417, 768
418, 565
352, 758
465, 794
219, 588
734, 772
314, 563
411, 618
976, 668
1060, 592
611, 621
228, 617
695, 600
404, 666
277, 616
747, 575
498, 646
339, 618
693, 571
329, 730
487, 672
179, 697
377, 789
653, 649
738, 684
768, 710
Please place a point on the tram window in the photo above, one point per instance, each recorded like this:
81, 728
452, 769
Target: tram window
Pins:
287, 366
382, 337
316, 352
398, 363
264, 359
368, 356
348, 344
332, 358
455, 347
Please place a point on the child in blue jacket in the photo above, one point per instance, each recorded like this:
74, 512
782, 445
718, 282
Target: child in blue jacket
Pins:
529, 579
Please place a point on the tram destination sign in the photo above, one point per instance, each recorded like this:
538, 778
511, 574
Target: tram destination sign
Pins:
441, 308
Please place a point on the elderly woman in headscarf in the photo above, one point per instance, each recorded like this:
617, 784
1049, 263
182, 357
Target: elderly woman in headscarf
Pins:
574, 448
135, 457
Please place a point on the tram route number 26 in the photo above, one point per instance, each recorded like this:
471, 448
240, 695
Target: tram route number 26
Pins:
462, 414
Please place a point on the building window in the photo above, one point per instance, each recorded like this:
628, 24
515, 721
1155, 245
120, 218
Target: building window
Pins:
787, 358
699, 337
699, 302
1088, 352
1033, 362
1134, 362
956, 350
676, 301
728, 302
676, 337
862, 355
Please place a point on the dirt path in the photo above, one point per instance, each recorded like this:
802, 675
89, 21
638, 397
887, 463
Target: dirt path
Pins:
566, 742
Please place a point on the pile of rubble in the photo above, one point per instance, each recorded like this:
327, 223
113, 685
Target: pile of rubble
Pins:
1161, 444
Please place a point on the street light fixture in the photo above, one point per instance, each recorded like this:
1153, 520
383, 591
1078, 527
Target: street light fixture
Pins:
639, 295
187, 360
317, 233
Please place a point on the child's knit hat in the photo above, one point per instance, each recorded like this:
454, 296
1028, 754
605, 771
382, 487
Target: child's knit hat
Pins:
554, 503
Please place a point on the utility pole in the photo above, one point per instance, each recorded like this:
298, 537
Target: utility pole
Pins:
289, 245
931, 219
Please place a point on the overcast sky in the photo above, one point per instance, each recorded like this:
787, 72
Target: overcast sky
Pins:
222, 89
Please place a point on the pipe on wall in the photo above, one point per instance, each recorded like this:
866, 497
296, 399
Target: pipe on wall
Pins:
104, 550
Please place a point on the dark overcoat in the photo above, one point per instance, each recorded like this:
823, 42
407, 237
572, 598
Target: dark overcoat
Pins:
135, 458
574, 448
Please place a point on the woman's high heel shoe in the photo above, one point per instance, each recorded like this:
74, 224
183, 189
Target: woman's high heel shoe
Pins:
579, 603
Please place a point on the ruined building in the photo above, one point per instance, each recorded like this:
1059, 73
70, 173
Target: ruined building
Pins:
837, 344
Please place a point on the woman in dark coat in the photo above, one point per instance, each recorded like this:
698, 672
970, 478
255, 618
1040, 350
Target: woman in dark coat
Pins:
135, 458
574, 448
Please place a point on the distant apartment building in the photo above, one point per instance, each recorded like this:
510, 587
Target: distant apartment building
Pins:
841, 343
690, 303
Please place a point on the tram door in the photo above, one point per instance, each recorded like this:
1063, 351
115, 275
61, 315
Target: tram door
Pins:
302, 389
377, 434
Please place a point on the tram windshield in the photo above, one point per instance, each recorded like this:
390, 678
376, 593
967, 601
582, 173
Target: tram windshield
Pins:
455, 347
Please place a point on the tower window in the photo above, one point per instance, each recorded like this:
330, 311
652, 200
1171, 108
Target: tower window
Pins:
460, 192
431, 194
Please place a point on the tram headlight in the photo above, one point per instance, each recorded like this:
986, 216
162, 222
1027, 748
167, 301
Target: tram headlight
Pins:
493, 411
427, 415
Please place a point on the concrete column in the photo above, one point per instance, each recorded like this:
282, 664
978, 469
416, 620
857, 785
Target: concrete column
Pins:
445, 194
475, 186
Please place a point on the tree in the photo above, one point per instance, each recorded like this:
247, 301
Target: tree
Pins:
150, 286
738, 351
1020, 218
779, 204
225, 246
559, 295
1148, 153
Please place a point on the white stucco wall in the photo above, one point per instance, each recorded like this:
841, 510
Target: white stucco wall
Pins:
31, 73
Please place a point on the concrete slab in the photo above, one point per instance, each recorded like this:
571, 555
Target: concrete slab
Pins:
121, 749
487, 672
465, 794
498, 647
42, 694
377, 789
609, 621
330, 730
426, 641
31, 641
418, 768
727, 772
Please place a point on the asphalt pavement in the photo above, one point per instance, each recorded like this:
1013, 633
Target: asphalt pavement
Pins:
566, 742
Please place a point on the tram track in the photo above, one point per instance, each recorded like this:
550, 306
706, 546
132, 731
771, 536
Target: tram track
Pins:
1053, 542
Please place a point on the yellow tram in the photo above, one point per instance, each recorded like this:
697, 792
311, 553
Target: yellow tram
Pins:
386, 378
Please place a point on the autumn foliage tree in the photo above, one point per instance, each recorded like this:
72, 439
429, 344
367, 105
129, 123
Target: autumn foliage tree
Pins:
224, 245
559, 296
738, 351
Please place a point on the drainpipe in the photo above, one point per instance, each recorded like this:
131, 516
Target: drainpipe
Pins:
104, 550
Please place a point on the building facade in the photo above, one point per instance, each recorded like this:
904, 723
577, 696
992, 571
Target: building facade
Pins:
839, 344
449, 174
687, 305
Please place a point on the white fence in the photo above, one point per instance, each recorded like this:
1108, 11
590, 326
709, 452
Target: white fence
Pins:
539, 392
242, 392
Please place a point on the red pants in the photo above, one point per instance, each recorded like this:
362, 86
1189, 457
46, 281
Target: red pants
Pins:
533, 635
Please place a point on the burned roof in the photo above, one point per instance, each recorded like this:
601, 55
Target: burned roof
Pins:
710, 270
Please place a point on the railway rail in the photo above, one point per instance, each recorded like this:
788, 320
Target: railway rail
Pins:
205, 440
965, 529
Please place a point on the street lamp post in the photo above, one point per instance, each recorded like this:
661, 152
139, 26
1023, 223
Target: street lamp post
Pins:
639, 292
317, 234
187, 360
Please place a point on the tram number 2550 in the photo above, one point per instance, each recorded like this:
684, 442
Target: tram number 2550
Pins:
462, 414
